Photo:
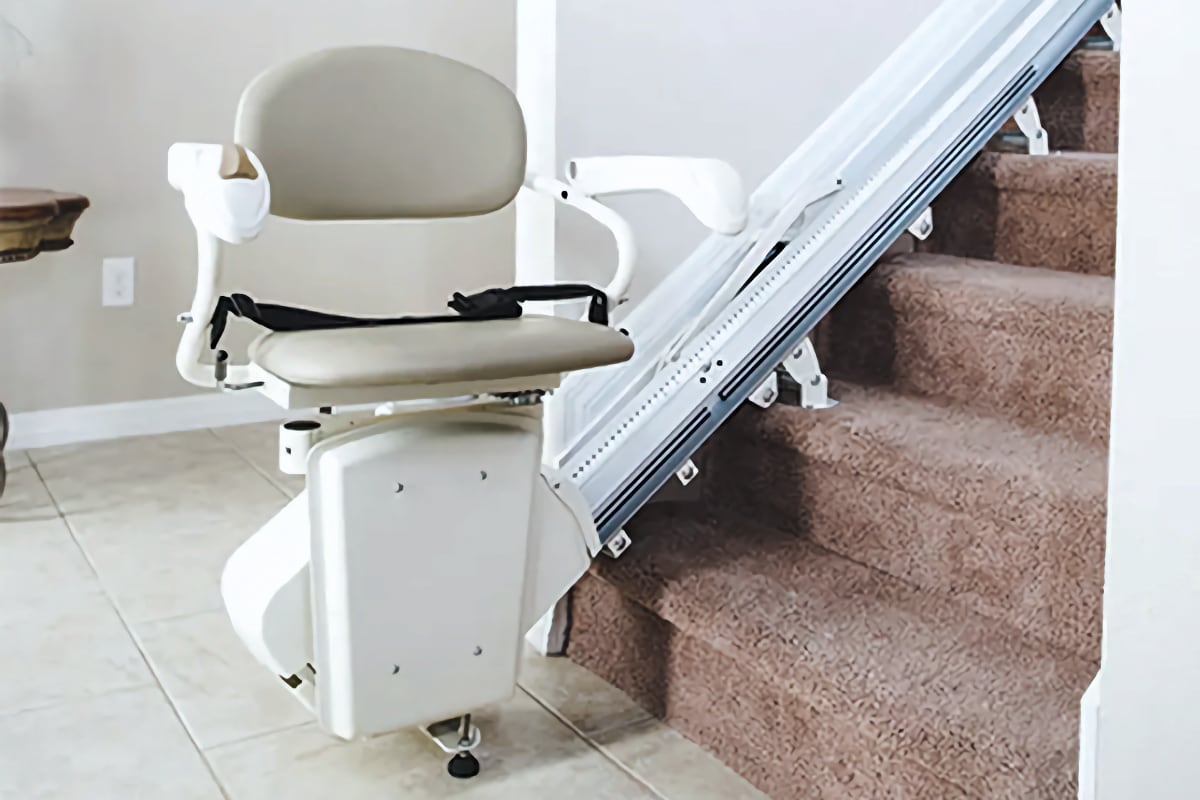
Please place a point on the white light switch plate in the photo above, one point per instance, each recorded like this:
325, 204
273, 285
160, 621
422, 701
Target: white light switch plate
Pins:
117, 287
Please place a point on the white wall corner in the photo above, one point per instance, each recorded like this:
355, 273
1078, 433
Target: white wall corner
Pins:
537, 91
34, 429
1148, 736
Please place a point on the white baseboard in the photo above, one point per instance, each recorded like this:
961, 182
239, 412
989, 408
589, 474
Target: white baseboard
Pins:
34, 429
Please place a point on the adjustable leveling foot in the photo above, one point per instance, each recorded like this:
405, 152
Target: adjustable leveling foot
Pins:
459, 737
464, 764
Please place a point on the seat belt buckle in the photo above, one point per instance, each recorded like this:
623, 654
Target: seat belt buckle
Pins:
488, 303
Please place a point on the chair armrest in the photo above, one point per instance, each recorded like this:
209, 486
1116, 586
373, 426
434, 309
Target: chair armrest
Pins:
225, 189
227, 196
712, 190
618, 287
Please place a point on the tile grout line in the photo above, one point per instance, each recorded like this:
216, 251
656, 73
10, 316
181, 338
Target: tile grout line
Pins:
599, 748
251, 463
252, 737
137, 642
69, 701
182, 615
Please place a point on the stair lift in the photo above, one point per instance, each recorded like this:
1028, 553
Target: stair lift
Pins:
397, 588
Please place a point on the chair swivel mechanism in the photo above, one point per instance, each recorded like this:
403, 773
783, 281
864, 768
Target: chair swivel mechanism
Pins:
397, 588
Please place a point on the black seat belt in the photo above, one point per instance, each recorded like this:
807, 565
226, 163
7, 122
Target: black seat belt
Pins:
490, 304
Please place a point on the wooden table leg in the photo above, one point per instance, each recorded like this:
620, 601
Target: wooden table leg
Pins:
3, 441
33, 221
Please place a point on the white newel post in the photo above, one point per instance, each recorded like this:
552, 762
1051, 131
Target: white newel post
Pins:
1147, 731
537, 89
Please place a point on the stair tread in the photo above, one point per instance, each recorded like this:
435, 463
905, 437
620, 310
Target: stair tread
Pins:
1087, 80
1056, 211
934, 679
1093, 61
1018, 283
996, 294
1069, 173
1078, 102
1006, 520
982, 451
1027, 343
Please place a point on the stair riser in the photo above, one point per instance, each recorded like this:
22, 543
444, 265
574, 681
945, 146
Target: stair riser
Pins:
1048, 366
1073, 229
1079, 103
1039, 569
790, 744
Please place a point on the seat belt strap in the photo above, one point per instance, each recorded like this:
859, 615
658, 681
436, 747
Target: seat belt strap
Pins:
490, 304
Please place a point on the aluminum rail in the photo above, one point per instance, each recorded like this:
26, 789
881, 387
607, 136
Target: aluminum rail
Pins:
894, 146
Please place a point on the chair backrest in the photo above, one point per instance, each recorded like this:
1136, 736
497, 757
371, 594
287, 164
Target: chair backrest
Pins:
369, 133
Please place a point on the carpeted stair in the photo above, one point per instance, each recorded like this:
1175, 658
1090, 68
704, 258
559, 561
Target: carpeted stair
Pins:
900, 597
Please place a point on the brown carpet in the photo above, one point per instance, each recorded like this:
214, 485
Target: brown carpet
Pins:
1004, 520
900, 597
1058, 212
981, 334
767, 640
1077, 103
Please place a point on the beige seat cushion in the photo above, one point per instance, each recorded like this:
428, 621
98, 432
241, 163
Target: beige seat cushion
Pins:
438, 353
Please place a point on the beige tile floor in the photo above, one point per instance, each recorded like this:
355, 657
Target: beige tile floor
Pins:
121, 678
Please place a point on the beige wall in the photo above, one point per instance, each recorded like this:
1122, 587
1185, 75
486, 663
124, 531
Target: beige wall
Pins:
112, 84
746, 82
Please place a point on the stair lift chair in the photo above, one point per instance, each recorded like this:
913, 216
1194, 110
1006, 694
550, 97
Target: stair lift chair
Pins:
397, 588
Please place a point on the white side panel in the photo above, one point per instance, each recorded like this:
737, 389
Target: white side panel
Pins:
418, 558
